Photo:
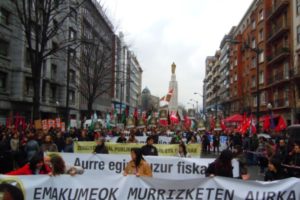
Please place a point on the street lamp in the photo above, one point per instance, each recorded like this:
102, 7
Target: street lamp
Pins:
196, 105
257, 51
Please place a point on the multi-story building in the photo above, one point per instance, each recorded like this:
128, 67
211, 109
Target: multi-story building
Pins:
296, 53
149, 102
264, 61
16, 87
127, 77
211, 96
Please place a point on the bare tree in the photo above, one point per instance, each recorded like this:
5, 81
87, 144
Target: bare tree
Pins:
95, 70
41, 21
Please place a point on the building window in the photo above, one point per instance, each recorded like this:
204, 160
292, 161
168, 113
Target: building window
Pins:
286, 70
298, 7
261, 77
72, 97
253, 62
263, 98
261, 57
253, 81
28, 86
235, 76
72, 76
72, 54
261, 15
53, 71
298, 34
253, 44
3, 81
4, 16
72, 34
4, 48
53, 92
254, 101
253, 24
286, 96
235, 62
261, 35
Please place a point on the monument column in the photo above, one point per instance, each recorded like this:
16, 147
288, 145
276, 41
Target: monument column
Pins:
173, 104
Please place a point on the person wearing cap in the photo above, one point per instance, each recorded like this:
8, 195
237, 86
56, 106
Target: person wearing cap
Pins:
101, 148
149, 149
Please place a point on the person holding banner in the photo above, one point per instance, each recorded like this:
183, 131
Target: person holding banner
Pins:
137, 166
101, 148
149, 149
182, 152
221, 166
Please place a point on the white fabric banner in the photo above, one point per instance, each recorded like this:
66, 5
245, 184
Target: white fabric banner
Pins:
162, 167
106, 187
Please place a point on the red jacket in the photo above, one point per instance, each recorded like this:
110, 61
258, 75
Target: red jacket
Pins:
25, 170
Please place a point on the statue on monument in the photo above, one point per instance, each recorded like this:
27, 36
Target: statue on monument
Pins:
173, 68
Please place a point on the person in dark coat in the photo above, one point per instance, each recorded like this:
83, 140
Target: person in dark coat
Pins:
274, 171
149, 149
101, 148
221, 166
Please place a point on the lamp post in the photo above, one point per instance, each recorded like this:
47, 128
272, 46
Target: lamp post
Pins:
257, 51
196, 105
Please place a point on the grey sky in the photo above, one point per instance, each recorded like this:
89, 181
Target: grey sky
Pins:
182, 31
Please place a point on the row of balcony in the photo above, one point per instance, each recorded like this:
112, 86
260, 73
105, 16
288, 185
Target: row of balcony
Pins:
277, 8
277, 32
278, 55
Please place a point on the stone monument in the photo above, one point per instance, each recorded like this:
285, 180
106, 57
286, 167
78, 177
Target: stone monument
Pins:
173, 104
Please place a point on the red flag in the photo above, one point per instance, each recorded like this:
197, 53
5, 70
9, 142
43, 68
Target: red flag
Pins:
281, 124
223, 126
173, 118
168, 96
266, 125
163, 122
187, 122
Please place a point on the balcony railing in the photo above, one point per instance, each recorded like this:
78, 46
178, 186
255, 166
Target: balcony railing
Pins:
278, 55
277, 32
278, 8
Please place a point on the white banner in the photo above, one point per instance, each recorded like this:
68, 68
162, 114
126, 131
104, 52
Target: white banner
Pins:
142, 139
105, 187
162, 167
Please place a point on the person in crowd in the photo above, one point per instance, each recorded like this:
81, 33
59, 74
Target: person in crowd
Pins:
281, 152
58, 166
193, 140
294, 161
122, 138
69, 145
32, 146
60, 141
100, 147
36, 165
132, 138
15, 148
241, 158
221, 166
49, 145
10, 192
137, 165
149, 149
262, 155
216, 142
254, 142
177, 138
83, 136
205, 143
182, 151
274, 171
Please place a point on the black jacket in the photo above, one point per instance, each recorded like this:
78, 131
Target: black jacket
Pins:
149, 150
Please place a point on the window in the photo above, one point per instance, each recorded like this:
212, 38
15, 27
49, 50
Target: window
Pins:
72, 54
54, 45
254, 101
72, 96
72, 76
72, 34
253, 24
4, 48
261, 77
298, 34
261, 15
261, 57
53, 92
53, 72
2, 81
286, 95
298, 7
253, 44
4, 16
253, 62
235, 77
263, 98
235, 62
261, 35
28, 86
286, 70
253, 81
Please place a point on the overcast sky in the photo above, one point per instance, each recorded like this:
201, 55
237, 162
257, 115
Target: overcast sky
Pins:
161, 32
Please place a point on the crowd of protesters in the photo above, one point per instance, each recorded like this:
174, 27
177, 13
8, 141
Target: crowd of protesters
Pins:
277, 157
